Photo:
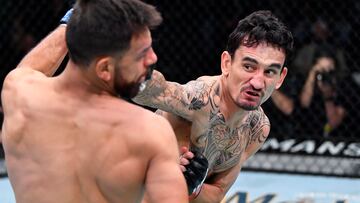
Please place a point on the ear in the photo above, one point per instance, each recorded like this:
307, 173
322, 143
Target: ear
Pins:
225, 63
282, 77
104, 68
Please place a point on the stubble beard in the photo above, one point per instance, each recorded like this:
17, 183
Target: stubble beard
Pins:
248, 107
126, 90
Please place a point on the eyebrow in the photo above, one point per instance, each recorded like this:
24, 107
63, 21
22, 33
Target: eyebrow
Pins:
252, 60
143, 51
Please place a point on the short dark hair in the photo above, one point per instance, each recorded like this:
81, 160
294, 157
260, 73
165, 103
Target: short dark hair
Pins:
259, 27
105, 27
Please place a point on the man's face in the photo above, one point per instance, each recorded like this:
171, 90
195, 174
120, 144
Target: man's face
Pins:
132, 68
253, 74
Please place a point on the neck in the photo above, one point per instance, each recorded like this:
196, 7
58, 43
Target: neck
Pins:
228, 107
83, 81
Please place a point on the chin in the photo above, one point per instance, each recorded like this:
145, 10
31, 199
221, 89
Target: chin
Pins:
248, 106
128, 91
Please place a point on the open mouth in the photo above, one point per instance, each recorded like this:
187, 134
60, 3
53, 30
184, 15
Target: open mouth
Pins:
253, 93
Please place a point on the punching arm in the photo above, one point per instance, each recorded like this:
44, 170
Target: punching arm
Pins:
47, 56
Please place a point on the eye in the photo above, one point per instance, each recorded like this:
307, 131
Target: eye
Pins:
271, 72
248, 67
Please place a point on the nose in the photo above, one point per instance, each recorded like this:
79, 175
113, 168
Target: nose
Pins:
151, 58
258, 81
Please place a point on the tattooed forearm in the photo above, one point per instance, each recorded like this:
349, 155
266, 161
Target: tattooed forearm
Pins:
172, 97
154, 88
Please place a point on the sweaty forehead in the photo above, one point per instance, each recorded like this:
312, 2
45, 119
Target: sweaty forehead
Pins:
263, 53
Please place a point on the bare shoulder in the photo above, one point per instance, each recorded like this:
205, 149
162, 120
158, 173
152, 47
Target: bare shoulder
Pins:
205, 81
155, 132
18, 76
265, 121
17, 81
199, 91
208, 79
157, 125
151, 124
259, 126
20, 73
260, 129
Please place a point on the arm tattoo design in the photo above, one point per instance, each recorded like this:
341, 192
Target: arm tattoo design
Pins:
254, 125
173, 97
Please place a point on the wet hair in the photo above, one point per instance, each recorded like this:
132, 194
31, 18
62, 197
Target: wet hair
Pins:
260, 27
105, 27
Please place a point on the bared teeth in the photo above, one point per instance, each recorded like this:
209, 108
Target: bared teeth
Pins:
252, 93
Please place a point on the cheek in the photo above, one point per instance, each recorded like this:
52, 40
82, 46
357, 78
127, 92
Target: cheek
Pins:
127, 73
269, 90
235, 84
238, 77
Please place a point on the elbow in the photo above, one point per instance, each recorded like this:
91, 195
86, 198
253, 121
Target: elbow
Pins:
219, 196
213, 196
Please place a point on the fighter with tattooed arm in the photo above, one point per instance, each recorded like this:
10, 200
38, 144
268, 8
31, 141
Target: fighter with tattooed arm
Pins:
220, 117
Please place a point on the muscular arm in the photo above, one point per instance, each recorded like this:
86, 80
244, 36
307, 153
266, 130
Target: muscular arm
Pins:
181, 100
47, 56
164, 180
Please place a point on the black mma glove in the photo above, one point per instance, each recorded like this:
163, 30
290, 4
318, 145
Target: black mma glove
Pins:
195, 174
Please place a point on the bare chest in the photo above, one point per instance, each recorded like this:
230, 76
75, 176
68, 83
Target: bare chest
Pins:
222, 143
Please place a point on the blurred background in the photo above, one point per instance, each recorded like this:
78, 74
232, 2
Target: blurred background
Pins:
315, 128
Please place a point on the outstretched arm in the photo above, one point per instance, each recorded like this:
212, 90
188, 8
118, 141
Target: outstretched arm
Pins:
47, 56
172, 97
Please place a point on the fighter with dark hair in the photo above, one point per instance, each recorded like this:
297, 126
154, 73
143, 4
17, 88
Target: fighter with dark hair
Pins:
219, 117
73, 138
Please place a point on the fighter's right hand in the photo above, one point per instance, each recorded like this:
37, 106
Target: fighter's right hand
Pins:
195, 169
185, 157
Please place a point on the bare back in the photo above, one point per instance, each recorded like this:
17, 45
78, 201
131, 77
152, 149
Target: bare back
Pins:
70, 147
